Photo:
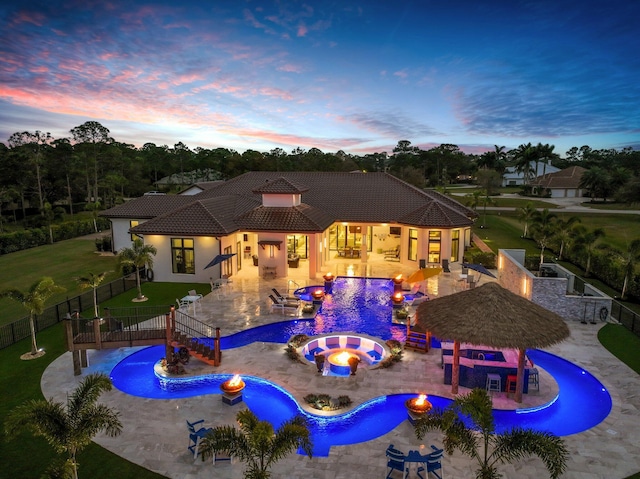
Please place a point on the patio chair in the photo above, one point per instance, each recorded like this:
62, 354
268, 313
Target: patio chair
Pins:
393, 256
182, 305
285, 299
196, 434
433, 464
282, 305
395, 462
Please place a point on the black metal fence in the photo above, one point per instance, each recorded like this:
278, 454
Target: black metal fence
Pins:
626, 317
18, 330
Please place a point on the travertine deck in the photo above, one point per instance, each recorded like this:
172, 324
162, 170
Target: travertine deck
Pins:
155, 433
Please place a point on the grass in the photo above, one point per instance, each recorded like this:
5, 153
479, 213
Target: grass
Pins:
159, 294
622, 343
63, 261
28, 456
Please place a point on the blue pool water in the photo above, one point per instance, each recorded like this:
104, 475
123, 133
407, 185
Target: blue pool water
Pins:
581, 404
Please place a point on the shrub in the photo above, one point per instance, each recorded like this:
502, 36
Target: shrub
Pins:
297, 340
292, 353
324, 402
488, 260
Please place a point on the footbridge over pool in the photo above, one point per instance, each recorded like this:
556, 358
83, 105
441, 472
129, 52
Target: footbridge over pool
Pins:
141, 326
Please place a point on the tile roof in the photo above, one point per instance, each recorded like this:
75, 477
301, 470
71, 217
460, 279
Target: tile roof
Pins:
147, 206
326, 198
567, 178
280, 185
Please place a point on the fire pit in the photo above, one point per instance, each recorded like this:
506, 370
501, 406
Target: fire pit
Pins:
339, 362
231, 390
418, 406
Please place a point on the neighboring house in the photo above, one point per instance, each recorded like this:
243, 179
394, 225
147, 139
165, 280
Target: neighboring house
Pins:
511, 177
200, 187
276, 216
561, 184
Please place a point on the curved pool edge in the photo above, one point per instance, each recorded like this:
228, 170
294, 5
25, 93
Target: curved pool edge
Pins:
382, 414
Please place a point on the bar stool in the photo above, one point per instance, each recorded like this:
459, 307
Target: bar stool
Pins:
534, 378
512, 380
494, 383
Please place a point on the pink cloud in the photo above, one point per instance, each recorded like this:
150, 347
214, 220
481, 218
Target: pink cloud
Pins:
290, 68
401, 74
275, 93
33, 17
302, 30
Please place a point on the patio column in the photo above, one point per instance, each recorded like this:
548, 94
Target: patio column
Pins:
313, 255
520, 379
455, 368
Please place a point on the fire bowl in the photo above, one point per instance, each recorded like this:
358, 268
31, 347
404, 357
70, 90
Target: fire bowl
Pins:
418, 405
232, 386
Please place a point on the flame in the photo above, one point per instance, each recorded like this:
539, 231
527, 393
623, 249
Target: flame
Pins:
328, 275
398, 297
399, 277
235, 381
318, 293
422, 399
342, 358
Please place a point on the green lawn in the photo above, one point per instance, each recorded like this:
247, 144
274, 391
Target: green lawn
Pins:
622, 343
159, 294
63, 261
27, 456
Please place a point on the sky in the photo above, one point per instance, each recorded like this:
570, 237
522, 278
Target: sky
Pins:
356, 76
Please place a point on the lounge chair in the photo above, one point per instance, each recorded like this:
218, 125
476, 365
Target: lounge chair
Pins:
393, 255
282, 305
285, 299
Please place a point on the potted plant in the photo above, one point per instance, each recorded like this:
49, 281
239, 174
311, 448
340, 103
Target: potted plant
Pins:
353, 364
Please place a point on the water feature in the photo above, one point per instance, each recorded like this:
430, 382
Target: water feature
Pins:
581, 404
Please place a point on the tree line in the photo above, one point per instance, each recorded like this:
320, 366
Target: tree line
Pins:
38, 171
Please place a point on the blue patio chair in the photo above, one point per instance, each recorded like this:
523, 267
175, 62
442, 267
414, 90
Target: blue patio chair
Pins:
433, 463
196, 434
395, 462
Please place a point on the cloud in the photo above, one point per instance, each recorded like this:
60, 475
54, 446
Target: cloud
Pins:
389, 124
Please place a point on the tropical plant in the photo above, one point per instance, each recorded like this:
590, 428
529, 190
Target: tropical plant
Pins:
525, 215
138, 256
92, 281
524, 155
68, 427
631, 257
33, 301
543, 228
565, 234
256, 444
468, 425
597, 181
586, 242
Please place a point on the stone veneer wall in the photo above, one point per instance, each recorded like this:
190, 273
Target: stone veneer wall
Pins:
550, 293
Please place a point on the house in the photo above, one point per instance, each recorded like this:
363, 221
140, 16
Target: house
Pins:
561, 184
270, 217
511, 177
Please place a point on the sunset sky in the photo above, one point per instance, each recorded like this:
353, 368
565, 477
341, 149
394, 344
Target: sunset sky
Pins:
347, 75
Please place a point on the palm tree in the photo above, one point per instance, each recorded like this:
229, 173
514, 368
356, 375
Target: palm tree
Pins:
480, 441
486, 200
565, 233
139, 256
525, 215
543, 228
68, 427
586, 241
632, 255
523, 156
92, 281
33, 301
597, 181
257, 444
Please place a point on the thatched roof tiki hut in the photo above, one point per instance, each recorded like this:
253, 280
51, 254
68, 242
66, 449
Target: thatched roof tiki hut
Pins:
493, 316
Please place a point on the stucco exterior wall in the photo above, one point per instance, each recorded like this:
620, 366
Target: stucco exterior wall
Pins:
120, 233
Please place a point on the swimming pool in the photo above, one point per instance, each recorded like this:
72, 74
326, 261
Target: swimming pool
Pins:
582, 401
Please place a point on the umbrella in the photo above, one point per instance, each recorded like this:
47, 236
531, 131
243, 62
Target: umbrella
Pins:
423, 274
494, 316
219, 259
479, 268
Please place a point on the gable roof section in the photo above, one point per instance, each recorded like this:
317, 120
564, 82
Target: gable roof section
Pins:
208, 217
434, 214
295, 218
567, 178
